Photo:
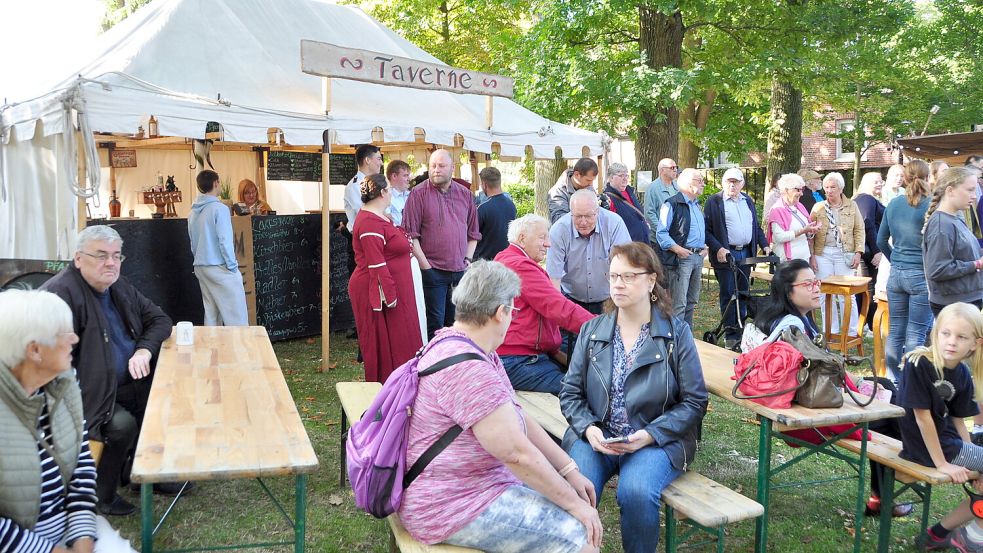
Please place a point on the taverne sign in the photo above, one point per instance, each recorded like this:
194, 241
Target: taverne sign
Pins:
328, 60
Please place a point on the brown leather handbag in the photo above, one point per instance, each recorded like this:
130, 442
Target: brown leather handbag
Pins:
826, 375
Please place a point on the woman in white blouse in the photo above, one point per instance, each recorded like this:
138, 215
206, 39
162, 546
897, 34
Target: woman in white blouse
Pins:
789, 228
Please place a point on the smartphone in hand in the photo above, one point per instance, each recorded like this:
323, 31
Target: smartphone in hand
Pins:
616, 440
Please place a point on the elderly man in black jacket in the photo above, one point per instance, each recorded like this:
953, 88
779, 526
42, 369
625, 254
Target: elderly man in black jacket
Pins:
120, 332
732, 229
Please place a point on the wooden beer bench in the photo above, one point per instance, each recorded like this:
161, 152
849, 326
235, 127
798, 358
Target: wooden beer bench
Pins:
904, 474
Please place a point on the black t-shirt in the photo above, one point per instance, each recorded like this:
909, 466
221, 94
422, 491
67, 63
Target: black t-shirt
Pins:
494, 216
916, 392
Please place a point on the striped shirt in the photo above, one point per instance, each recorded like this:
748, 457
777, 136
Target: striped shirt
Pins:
66, 514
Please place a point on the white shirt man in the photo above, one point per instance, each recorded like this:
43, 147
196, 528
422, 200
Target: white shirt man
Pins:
369, 159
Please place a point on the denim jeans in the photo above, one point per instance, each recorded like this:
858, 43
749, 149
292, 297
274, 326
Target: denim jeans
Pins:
910, 315
533, 373
642, 476
684, 286
725, 280
438, 285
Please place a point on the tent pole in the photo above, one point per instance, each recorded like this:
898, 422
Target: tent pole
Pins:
325, 252
489, 111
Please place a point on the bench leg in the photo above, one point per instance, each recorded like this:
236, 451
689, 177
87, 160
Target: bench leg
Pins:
926, 506
341, 455
392, 542
764, 484
300, 514
720, 539
671, 544
887, 506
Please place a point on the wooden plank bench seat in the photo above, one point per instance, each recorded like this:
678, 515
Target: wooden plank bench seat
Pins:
355, 398
707, 505
912, 476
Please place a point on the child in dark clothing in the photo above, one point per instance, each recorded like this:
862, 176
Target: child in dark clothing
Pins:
937, 393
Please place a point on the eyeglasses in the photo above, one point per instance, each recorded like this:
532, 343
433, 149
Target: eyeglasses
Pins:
512, 307
670, 167
811, 283
104, 257
627, 278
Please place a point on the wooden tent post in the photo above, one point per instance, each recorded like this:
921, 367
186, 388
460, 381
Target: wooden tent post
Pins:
325, 252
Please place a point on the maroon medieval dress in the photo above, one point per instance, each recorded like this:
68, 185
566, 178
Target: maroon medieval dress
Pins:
382, 296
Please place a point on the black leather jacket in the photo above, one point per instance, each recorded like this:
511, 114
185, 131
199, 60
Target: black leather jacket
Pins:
668, 403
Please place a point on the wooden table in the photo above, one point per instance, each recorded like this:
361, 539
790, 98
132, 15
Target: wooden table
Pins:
718, 368
218, 410
846, 286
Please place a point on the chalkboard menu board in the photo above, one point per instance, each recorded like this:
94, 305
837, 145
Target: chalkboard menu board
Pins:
287, 269
340, 313
303, 166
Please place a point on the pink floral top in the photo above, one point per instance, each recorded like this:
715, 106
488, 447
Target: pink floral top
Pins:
464, 479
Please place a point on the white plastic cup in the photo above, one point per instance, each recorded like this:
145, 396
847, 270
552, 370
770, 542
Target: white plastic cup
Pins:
185, 334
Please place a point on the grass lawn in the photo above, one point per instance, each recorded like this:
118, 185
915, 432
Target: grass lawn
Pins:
817, 518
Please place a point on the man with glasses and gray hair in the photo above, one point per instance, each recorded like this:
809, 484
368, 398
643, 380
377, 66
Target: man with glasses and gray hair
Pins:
120, 332
681, 236
660, 190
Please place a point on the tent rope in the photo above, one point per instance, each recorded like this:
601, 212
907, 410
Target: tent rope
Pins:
71, 101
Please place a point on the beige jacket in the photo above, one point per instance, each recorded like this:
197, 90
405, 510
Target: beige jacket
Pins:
851, 227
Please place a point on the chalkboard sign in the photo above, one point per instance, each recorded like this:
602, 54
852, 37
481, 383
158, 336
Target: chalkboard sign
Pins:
343, 168
300, 166
340, 308
303, 166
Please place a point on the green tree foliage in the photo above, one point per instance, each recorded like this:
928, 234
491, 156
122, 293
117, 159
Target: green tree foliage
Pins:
118, 10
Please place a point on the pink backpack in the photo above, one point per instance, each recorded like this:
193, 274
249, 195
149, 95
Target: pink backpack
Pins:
376, 446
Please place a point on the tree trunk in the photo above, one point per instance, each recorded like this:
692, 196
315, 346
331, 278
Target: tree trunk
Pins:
547, 173
695, 116
785, 134
661, 43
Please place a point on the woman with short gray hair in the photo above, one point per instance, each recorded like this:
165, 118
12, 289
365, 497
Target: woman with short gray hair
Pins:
502, 484
789, 229
839, 244
625, 203
47, 474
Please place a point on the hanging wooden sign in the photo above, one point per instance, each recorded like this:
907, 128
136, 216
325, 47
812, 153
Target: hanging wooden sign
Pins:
121, 159
328, 60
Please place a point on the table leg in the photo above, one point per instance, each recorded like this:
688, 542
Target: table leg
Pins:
861, 491
862, 319
887, 506
764, 484
147, 516
671, 544
300, 514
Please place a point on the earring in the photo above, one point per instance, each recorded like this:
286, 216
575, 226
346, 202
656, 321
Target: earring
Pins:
652, 295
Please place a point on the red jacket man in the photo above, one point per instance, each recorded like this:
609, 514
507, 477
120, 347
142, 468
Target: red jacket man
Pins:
531, 350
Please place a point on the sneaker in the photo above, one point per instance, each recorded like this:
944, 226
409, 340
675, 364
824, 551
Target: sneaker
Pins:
899, 510
928, 542
116, 507
960, 541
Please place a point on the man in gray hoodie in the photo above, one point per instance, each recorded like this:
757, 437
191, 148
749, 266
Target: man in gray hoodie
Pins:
210, 227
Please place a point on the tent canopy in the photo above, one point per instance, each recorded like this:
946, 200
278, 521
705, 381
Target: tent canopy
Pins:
954, 147
237, 62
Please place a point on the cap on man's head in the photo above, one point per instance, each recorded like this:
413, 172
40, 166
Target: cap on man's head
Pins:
808, 175
733, 173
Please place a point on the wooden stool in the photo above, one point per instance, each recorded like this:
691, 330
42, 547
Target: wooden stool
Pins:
846, 286
882, 325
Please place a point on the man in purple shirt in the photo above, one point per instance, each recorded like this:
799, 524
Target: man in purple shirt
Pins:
443, 223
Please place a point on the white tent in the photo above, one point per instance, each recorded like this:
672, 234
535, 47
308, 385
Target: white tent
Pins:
236, 62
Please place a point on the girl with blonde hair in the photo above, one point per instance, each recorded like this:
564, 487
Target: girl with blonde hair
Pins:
937, 393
